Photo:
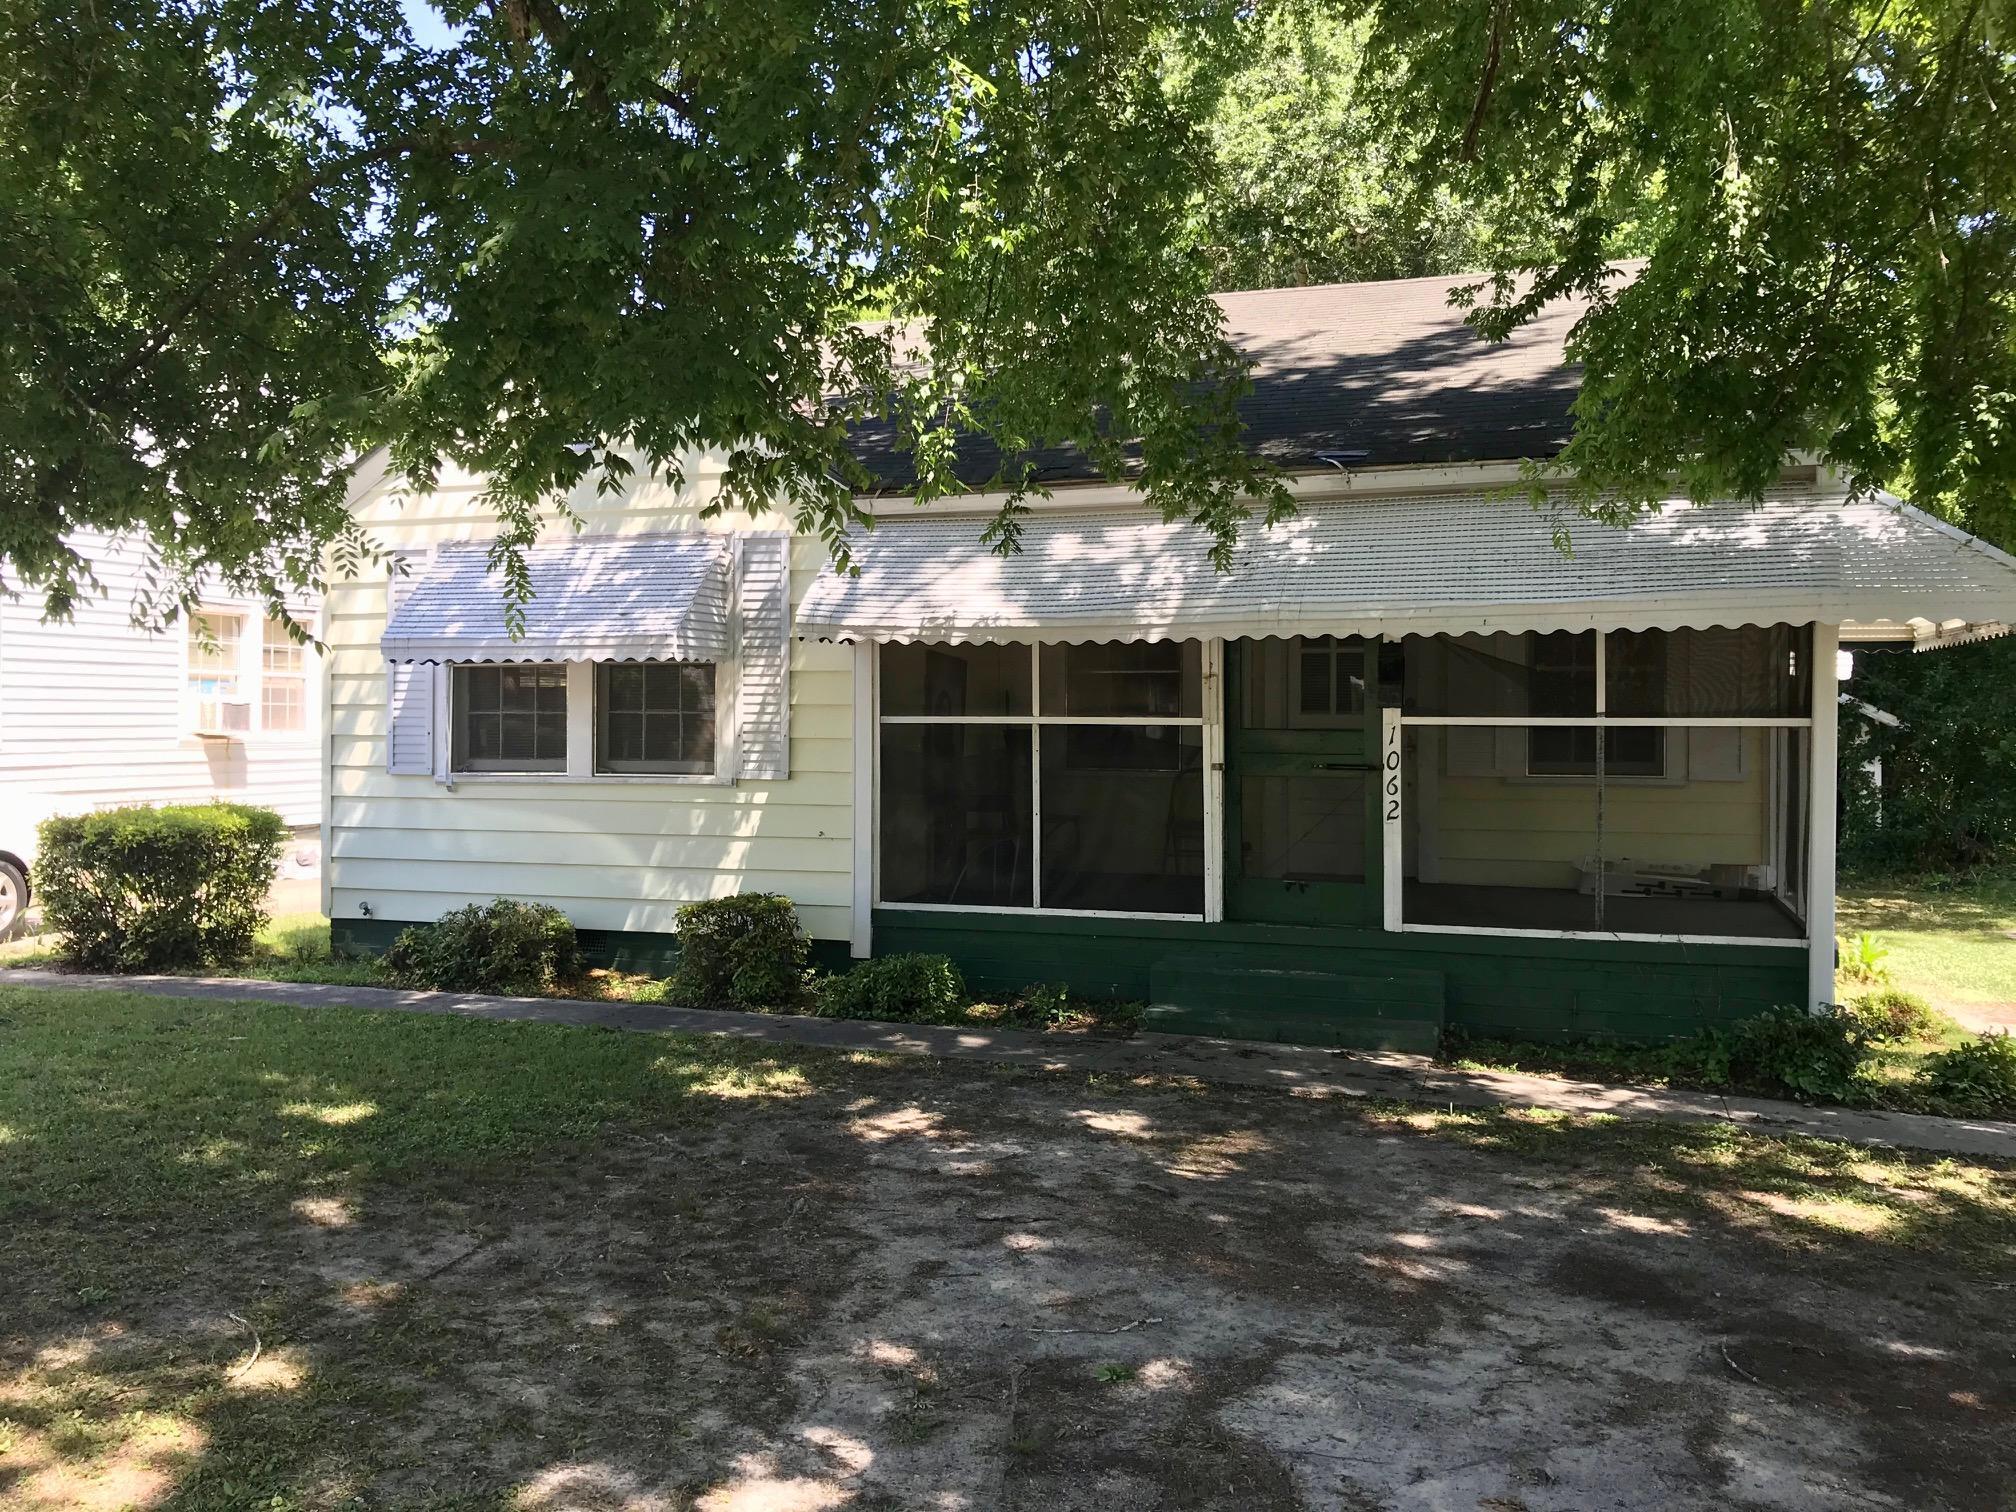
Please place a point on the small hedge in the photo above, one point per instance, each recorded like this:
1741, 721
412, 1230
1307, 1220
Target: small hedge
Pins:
1976, 1077
177, 888
1894, 1014
1807, 1054
904, 989
741, 952
519, 949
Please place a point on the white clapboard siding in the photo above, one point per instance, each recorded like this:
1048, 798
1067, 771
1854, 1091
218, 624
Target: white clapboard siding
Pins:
619, 854
93, 715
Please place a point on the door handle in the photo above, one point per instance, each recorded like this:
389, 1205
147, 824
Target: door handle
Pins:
1342, 766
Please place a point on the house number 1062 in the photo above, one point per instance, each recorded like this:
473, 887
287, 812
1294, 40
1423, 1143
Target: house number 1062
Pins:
1392, 769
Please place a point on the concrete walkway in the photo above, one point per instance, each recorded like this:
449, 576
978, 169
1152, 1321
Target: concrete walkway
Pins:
1243, 1063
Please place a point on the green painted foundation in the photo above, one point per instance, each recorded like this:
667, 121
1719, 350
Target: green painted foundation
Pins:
1362, 987
1356, 987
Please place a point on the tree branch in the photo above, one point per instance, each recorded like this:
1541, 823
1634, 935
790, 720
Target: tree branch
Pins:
554, 26
1500, 18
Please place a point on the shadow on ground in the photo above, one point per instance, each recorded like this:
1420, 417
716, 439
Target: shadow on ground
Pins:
378, 1262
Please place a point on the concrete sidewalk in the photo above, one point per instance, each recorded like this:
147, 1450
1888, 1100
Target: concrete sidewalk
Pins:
1244, 1063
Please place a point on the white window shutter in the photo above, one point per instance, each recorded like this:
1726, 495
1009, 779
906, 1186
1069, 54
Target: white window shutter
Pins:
763, 599
409, 689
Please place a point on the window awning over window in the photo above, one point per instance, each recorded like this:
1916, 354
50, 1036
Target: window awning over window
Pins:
593, 599
1417, 565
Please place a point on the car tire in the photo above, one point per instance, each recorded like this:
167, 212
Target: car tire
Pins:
13, 900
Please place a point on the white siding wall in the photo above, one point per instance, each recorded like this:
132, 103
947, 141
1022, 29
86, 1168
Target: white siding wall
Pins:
92, 715
617, 855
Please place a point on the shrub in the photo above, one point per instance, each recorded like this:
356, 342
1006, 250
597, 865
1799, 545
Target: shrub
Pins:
1894, 1014
158, 889
741, 952
908, 989
1979, 1075
1791, 1050
521, 949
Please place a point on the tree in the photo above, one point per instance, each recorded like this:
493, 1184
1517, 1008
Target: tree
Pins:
1823, 189
1948, 794
241, 242
1306, 188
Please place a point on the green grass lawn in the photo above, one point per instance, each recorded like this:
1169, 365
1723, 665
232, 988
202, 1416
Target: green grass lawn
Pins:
229, 1233
1953, 944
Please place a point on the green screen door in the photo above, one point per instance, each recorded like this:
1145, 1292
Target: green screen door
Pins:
1299, 781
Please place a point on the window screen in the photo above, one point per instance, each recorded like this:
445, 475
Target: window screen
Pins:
957, 814
510, 719
954, 682
1123, 680
1741, 672
654, 716
1551, 673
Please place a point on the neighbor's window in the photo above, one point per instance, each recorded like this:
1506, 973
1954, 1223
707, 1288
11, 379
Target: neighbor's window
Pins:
283, 680
509, 718
1106, 741
654, 716
216, 672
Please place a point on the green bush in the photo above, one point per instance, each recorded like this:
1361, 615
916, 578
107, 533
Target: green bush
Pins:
741, 952
158, 889
905, 989
1790, 1050
520, 949
1978, 1076
1894, 1014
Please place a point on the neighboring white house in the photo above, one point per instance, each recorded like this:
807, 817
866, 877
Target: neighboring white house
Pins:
96, 712
1408, 765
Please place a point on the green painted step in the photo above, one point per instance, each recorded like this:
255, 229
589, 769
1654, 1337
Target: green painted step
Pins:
1397, 1009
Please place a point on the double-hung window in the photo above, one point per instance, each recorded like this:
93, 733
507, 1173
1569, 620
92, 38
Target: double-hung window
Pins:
654, 716
1066, 777
283, 680
607, 719
509, 717
244, 674
216, 677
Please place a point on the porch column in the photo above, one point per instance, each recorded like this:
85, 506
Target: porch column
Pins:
1820, 819
861, 930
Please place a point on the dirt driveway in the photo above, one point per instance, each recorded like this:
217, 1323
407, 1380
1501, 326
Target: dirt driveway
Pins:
918, 1287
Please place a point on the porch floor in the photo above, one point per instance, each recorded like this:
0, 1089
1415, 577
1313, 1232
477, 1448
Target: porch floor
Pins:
1549, 908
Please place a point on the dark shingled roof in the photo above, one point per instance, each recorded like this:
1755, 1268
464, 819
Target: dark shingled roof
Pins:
1387, 369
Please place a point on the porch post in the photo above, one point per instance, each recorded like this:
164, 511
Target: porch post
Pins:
1392, 837
1820, 819
861, 934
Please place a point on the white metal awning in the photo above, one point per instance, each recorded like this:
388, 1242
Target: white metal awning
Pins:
597, 598
1416, 564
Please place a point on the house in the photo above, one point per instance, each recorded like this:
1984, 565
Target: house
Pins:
1409, 764
96, 712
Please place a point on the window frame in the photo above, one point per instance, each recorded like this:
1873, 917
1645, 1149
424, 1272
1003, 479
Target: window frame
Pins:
458, 674
581, 711
1207, 720
1397, 722
251, 675
601, 713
